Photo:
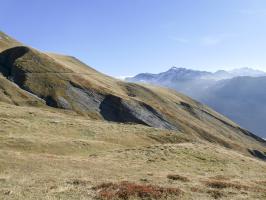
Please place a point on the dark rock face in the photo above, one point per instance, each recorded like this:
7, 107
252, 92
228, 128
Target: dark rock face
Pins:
8, 67
84, 99
116, 109
257, 154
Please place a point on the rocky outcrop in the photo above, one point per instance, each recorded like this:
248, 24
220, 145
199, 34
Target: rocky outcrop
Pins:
116, 109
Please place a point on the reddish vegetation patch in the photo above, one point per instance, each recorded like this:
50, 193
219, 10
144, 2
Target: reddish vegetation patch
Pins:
127, 190
261, 182
196, 189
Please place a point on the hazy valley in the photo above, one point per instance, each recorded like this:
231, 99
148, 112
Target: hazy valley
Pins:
238, 94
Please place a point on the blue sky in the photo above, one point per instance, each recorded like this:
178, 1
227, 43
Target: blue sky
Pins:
125, 37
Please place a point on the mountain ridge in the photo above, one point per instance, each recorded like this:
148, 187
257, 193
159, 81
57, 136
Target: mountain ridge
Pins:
179, 72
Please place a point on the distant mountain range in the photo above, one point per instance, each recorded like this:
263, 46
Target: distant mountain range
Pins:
238, 94
180, 73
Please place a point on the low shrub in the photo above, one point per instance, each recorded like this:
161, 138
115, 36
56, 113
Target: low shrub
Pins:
176, 177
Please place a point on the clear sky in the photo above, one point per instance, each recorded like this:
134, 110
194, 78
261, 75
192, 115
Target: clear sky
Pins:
125, 37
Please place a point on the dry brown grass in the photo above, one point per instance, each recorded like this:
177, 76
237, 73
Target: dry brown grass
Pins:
55, 154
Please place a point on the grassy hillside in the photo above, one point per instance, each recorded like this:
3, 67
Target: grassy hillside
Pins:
56, 154
65, 82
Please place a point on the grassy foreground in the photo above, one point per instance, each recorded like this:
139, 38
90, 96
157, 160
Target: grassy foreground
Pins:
55, 154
